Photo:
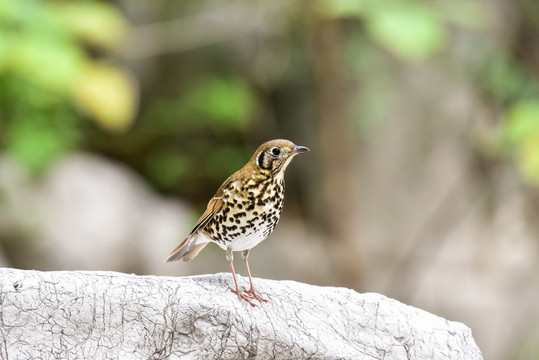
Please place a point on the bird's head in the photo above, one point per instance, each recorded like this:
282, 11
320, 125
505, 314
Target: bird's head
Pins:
274, 156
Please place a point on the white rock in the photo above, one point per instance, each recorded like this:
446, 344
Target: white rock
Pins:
98, 315
89, 213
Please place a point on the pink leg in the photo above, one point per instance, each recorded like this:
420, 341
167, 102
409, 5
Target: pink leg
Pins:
238, 292
251, 292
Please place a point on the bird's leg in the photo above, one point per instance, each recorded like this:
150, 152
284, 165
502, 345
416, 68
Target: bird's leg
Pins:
251, 292
238, 292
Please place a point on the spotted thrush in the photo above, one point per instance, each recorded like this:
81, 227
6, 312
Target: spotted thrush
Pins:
244, 211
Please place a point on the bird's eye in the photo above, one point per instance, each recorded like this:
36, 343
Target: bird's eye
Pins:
275, 151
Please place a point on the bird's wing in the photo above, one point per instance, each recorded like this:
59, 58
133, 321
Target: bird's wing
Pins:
190, 244
214, 205
193, 240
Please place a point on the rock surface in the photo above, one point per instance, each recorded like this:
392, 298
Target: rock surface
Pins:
98, 315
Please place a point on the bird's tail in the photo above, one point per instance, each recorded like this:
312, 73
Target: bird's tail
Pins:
187, 250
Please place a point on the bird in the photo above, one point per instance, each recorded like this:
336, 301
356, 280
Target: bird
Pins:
244, 211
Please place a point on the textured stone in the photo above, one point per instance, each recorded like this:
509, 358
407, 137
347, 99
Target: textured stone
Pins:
97, 315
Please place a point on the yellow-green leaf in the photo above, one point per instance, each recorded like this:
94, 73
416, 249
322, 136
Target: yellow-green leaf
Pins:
109, 95
45, 61
97, 23
522, 120
528, 158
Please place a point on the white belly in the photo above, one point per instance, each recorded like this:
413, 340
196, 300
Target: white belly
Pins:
241, 243
246, 242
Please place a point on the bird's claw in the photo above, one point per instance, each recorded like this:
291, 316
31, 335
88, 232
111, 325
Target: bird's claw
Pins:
253, 295
249, 295
243, 296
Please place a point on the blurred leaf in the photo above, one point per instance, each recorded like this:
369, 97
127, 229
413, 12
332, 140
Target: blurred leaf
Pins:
109, 95
37, 142
224, 161
411, 30
166, 168
341, 8
4, 52
522, 121
504, 79
45, 61
8, 10
227, 103
97, 23
463, 12
522, 131
528, 158
17, 11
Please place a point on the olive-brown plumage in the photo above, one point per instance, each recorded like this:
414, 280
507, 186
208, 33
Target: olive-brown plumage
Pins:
245, 209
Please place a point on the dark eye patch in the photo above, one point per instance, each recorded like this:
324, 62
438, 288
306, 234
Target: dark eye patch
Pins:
261, 160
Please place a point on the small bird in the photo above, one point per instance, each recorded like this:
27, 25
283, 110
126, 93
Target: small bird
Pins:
244, 211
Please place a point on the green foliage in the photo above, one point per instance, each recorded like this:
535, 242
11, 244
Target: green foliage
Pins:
522, 120
36, 47
33, 52
224, 161
43, 63
223, 103
94, 22
167, 167
522, 133
343, 8
212, 108
412, 30
504, 80
36, 141
506, 83
528, 158
51, 84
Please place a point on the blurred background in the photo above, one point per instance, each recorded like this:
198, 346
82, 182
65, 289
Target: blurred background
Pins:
120, 119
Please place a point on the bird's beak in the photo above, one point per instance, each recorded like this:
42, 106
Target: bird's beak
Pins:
299, 149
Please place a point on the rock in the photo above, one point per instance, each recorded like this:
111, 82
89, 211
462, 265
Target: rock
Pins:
89, 213
97, 315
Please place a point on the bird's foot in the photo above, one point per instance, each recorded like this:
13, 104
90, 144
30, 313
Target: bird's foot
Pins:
253, 295
243, 296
